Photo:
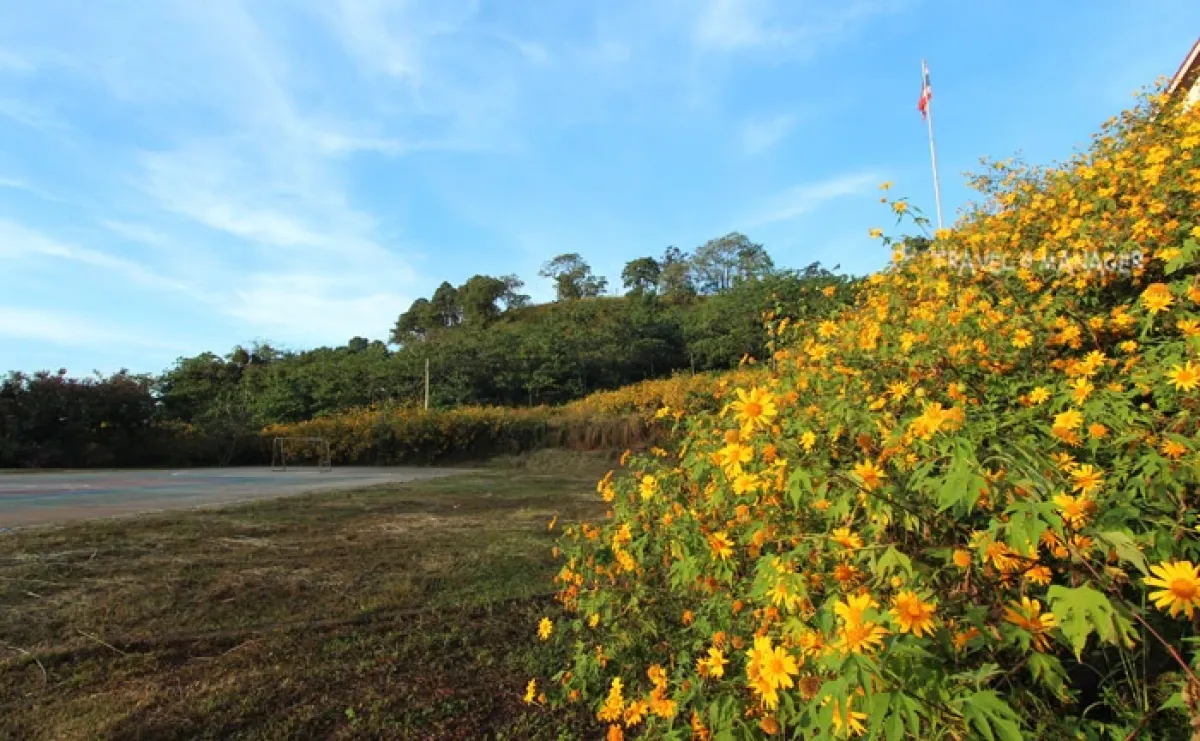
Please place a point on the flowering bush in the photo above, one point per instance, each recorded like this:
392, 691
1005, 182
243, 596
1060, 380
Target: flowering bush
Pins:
965, 507
388, 435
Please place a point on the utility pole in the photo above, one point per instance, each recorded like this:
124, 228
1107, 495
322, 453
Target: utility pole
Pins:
426, 384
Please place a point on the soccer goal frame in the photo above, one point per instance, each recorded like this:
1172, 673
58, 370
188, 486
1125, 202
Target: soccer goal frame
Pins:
279, 452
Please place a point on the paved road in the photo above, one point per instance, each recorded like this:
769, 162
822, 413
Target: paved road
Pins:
42, 498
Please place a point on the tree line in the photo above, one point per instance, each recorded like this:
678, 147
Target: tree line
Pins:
484, 341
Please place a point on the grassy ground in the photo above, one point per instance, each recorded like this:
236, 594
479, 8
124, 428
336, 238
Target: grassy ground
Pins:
405, 611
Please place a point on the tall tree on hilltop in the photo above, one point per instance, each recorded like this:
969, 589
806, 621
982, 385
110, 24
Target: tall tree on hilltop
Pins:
675, 275
641, 276
477, 298
447, 311
512, 297
413, 324
720, 263
573, 278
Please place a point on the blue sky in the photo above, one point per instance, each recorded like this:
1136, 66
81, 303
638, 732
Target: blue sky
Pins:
179, 176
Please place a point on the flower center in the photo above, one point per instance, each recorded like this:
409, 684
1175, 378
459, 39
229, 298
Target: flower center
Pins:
1184, 589
753, 409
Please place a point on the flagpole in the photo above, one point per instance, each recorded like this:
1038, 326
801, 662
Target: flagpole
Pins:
937, 189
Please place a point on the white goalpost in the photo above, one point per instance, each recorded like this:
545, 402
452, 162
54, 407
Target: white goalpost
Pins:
295, 451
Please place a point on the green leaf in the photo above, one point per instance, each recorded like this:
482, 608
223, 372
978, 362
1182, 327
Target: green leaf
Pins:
891, 561
1080, 612
1048, 671
1127, 550
960, 488
1027, 521
991, 717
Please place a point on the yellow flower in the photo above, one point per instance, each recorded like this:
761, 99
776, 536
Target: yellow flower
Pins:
853, 607
851, 722
648, 487
1038, 575
899, 206
594, 620
1157, 297
715, 662
614, 733
962, 558
1068, 420
859, 637
875, 233
1022, 338
1027, 615
913, 615
531, 692
808, 439
1097, 430
769, 725
614, 704
721, 545
843, 537
545, 628
869, 474
1074, 510
755, 408
1184, 377
1039, 395
1087, 478
1179, 587
1173, 449
636, 712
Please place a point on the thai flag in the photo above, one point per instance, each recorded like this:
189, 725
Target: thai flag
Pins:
926, 91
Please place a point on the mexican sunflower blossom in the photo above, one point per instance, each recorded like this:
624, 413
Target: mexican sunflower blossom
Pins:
721, 545
1184, 377
848, 722
545, 628
754, 408
1028, 616
770, 668
614, 705
846, 539
1157, 297
869, 474
1179, 587
912, 615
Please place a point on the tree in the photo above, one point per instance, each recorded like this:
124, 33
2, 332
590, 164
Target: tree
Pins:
675, 275
512, 297
720, 263
447, 311
477, 299
573, 278
641, 276
414, 323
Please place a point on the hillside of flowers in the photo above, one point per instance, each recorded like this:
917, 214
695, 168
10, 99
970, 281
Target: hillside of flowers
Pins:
963, 508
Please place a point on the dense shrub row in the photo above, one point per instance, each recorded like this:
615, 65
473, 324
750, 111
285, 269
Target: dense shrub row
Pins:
395, 435
964, 508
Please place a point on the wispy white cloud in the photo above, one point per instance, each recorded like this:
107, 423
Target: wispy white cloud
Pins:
74, 330
800, 28
30, 114
15, 63
137, 232
26, 186
805, 198
18, 242
760, 134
